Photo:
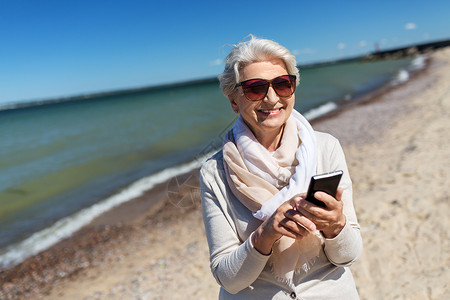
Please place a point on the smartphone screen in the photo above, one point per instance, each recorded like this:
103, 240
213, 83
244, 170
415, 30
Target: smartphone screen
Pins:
327, 183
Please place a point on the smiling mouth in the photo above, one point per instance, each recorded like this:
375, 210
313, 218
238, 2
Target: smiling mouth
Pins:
270, 111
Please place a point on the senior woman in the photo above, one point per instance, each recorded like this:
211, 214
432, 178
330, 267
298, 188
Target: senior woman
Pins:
265, 240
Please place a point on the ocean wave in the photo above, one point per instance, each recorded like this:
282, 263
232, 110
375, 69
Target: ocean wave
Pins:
417, 63
320, 111
64, 228
403, 75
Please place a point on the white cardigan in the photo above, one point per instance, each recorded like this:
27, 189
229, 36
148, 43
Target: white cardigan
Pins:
242, 271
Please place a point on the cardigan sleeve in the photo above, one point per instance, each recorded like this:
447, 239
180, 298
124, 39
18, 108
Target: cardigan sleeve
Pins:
234, 264
346, 247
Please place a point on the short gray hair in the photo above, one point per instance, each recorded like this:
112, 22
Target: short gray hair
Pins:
253, 50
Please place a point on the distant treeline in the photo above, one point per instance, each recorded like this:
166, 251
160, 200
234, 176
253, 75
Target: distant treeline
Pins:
407, 51
386, 54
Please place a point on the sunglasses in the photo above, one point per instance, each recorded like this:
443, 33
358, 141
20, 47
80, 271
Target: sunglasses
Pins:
256, 89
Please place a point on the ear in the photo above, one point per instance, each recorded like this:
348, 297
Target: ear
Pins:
234, 104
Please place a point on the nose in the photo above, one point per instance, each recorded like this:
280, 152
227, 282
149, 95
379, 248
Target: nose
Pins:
271, 97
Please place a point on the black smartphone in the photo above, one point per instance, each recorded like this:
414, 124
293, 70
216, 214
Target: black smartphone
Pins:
327, 183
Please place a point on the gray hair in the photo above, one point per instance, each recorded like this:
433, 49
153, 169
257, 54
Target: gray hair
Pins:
254, 50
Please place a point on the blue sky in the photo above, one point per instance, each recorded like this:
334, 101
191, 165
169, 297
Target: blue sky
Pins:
52, 49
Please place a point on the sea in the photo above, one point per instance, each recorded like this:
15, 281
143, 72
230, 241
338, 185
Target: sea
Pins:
63, 162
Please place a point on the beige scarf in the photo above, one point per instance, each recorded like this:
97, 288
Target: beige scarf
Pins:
262, 181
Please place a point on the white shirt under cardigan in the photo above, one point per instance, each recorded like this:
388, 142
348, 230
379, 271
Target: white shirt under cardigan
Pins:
243, 272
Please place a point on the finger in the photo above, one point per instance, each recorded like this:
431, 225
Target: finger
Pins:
293, 229
307, 215
298, 217
306, 206
283, 229
315, 214
294, 201
301, 219
339, 193
329, 200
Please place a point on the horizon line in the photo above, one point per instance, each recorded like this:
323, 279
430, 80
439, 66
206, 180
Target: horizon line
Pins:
382, 54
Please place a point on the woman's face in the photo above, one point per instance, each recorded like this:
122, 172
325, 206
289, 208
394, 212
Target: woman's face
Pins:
266, 116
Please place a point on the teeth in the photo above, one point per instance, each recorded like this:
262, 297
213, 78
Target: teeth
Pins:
269, 110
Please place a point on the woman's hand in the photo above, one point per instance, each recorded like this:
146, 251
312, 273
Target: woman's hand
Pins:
286, 220
330, 219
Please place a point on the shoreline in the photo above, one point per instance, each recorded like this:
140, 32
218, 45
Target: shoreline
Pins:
113, 237
418, 79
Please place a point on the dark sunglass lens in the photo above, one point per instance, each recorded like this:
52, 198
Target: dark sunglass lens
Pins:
283, 86
255, 89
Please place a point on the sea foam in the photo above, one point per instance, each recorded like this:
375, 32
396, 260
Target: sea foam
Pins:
418, 63
320, 111
403, 75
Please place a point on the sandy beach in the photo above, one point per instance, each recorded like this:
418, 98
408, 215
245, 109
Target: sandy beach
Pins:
397, 149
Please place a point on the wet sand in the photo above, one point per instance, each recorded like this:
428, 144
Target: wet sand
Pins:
397, 148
